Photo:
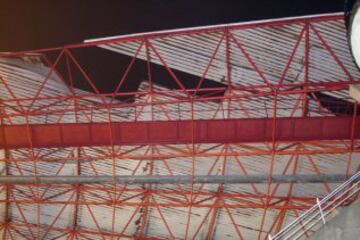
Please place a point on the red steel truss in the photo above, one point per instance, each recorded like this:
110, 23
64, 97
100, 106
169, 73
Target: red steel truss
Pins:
94, 133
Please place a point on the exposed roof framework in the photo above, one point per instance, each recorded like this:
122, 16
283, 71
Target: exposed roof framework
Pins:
278, 78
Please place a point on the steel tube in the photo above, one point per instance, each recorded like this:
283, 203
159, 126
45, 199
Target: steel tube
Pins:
177, 179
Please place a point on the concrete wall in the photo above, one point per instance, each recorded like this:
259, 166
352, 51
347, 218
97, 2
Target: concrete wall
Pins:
345, 226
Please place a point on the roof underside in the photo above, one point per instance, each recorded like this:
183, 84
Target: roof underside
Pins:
261, 64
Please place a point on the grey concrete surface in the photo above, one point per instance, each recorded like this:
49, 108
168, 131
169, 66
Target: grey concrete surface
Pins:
345, 226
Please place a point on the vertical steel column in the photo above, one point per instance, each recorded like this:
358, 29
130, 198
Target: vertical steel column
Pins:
147, 196
271, 164
5, 192
77, 187
192, 167
77, 156
219, 199
305, 103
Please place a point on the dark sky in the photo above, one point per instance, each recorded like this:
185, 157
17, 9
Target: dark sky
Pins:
26, 24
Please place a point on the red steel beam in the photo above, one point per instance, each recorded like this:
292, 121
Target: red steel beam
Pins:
177, 132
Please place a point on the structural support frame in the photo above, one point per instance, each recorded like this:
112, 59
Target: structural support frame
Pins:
102, 140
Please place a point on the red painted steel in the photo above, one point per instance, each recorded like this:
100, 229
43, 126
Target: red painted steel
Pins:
177, 132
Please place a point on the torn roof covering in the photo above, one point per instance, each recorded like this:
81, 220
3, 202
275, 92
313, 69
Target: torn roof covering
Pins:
269, 44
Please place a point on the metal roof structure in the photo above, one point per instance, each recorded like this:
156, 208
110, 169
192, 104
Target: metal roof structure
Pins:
281, 108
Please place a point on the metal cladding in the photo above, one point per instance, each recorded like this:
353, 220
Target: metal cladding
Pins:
237, 159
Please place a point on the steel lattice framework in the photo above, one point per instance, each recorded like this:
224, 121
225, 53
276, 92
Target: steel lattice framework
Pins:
281, 108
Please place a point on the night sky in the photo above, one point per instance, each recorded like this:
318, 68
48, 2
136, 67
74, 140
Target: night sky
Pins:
36, 24
26, 25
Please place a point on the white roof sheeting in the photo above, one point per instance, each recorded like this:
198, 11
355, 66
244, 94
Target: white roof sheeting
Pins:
268, 46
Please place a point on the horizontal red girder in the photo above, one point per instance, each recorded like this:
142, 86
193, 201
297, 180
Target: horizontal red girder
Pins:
178, 132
